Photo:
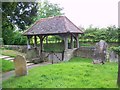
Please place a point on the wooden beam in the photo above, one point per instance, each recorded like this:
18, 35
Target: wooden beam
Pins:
72, 44
35, 41
28, 42
41, 47
41, 44
77, 41
46, 39
65, 43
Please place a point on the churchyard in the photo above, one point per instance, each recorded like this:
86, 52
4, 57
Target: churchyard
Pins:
66, 62
76, 73
42, 48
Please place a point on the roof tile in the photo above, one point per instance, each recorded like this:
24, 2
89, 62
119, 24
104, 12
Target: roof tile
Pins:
53, 25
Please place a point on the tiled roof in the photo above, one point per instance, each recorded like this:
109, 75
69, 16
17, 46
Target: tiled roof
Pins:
53, 25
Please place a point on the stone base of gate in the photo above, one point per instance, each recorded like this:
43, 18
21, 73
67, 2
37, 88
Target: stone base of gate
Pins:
68, 54
53, 57
56, 57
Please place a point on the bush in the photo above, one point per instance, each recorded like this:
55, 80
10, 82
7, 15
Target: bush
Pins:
116, 49
109, 34
19, 39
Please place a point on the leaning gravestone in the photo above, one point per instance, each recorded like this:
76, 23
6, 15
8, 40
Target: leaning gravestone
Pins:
100, 52
113, 57
20, 65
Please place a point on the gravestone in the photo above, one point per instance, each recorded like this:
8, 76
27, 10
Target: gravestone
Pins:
100, 52
113, 57
20, 65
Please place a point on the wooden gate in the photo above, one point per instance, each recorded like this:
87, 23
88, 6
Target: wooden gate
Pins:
54, 56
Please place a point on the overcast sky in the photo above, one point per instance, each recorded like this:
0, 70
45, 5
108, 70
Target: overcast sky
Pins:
99, 13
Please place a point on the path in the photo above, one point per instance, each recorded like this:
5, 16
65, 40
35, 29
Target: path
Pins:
7, 75
6, 57
12, 58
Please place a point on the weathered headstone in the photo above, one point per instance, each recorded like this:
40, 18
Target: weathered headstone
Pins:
20, 65
113, 57
100, 52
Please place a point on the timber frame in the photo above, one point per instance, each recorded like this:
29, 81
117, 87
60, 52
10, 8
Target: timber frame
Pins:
59, 25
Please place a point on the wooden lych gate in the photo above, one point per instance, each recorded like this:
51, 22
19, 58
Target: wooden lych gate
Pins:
59, 25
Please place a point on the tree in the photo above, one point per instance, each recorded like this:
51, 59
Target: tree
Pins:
109, 34
47, 9
118, 79
112, 33
20, 14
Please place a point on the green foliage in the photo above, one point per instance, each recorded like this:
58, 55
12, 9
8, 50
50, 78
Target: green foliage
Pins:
13, 38
109, 34
16, 13
7, 65
22, 15
56, 47
116, 49
47, 9
19, 39
77, 73
7, 31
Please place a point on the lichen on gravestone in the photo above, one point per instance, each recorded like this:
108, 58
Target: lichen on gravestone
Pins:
20, 65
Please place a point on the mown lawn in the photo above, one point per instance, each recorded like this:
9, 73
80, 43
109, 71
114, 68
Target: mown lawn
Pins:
7, 65
59, 47
56, 47
11, 53
77, 73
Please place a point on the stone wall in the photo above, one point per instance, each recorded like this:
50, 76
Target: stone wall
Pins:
68, 54
86, 52
20, 48
113, 56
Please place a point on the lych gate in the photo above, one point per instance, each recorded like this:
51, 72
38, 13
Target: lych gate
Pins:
58, 25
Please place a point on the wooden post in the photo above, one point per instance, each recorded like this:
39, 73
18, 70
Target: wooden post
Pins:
72, 44
46, 39
28, 42
52, 57
35, 41
62, 55
41, 45
77, 41
66, 42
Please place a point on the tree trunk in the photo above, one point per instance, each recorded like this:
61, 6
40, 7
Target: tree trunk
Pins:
118, 79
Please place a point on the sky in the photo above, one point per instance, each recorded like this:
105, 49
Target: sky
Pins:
98, 13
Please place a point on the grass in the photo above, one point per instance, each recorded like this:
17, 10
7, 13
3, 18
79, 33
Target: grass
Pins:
77, 73
11, 53
59, 47
7, 65
56, 47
